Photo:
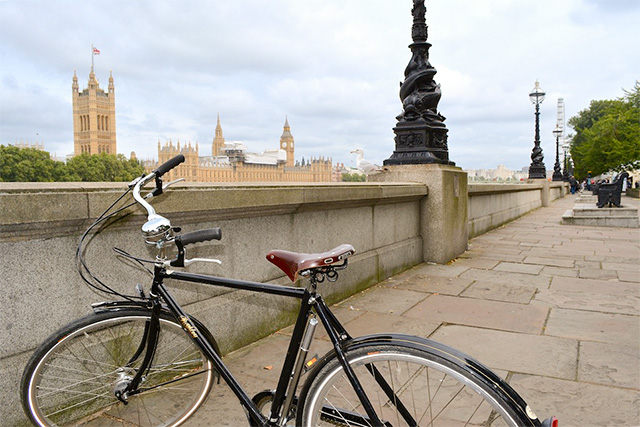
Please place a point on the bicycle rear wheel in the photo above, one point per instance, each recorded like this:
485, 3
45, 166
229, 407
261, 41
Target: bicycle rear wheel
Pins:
71, 378
406, 386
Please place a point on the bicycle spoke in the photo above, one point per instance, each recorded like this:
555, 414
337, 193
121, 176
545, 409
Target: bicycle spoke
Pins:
75, 383
411, 389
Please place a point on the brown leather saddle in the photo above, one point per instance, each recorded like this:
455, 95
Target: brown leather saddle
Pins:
293, 263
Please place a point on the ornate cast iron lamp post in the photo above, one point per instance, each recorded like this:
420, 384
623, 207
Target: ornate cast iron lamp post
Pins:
557, 170
421, 135
537, 169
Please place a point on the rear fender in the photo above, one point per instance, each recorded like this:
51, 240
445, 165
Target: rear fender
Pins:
461, 360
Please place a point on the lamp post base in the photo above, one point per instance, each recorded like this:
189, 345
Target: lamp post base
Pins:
537, 172
419, 143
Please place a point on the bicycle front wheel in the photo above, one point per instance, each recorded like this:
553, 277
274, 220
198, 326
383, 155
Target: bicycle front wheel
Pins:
406, 386
71, 379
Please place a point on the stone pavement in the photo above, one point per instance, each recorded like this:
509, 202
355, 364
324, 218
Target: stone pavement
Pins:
554, 309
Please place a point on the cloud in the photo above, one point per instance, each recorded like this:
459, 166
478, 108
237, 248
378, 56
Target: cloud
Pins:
331, 66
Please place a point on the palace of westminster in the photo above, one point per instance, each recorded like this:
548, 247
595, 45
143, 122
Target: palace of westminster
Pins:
94, 131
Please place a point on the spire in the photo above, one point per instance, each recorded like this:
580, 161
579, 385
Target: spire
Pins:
218, 140
286, 133
75, 86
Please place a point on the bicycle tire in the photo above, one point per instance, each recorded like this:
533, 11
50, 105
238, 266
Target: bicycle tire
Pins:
431, 388
71, 377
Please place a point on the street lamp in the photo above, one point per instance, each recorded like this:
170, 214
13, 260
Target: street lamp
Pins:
537, 169
565, 174
557, 170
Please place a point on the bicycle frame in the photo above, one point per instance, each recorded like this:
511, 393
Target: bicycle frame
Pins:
309, 301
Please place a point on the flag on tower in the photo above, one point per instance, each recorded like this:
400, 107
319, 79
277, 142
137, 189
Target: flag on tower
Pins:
96, 51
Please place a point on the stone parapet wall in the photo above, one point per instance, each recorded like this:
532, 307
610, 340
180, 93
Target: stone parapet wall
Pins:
492, 205
40, 226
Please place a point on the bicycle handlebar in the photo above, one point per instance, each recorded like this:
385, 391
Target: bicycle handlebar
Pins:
168, 165
156, 174
199, 236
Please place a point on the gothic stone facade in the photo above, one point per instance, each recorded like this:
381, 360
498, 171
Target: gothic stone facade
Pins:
231, 163
94, 117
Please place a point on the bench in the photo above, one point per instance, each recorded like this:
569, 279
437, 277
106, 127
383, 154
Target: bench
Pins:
609, 194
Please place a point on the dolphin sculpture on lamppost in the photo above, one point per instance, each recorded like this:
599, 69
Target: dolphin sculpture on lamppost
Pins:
421, 135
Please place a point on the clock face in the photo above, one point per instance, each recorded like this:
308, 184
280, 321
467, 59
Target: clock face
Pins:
284, 145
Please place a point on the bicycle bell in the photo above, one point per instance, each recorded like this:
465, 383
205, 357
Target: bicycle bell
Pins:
156, 230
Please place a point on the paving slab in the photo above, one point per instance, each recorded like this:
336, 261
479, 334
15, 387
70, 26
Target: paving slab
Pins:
592, 286
557, 253
474, 312
617, 329
554, 262
579, 404
429, 269
483, 263
559, 271
372, 323
384, 300
607, 364
597, 273
622, 266
513, 256
518, 268
580, 264
508, 278
500, 292
524, 353
584, 301
628, 276
435, 284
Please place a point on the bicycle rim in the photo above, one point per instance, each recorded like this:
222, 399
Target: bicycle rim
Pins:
73, 382
405, 387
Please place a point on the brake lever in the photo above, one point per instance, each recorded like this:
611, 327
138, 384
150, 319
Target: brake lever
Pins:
164, 187
188, 262
192, 260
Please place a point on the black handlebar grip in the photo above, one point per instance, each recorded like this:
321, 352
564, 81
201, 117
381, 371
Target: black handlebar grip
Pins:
168, 165
200, 236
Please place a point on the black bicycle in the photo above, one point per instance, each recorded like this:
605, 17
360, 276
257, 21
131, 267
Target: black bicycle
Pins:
143, 361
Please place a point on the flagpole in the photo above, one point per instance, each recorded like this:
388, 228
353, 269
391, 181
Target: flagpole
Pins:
92, 55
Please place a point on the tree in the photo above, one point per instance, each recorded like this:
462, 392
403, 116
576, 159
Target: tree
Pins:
353, 177
607, 135
31, 165
103, 167
25, 164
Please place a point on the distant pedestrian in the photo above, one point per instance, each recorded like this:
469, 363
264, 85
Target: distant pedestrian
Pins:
574, 184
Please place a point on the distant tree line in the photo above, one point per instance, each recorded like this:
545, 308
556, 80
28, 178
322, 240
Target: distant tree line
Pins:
32, 165
607, 135
353, 177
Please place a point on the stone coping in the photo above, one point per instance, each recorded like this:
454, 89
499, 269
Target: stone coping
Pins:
35, 210
479, 189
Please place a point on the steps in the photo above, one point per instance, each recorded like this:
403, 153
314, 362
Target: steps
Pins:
590, 215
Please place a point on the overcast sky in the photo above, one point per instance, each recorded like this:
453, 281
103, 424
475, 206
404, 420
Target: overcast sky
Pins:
332, 67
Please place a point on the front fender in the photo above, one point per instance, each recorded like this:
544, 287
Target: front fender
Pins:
142, 306
453, 356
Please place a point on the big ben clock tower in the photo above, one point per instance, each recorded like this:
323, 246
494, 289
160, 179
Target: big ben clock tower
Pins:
286, 143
